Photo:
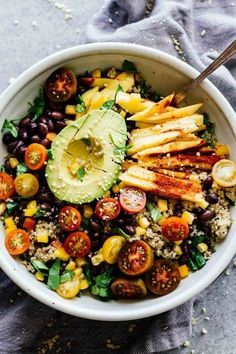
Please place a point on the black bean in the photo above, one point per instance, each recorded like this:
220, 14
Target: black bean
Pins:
129, 229
45, 206
11, 147
120, 221
212, 198
46, 143
25, 122
33, 127
45, 197
35, 139
59, 125
21, 150
43, 129
206, 215
51, 127
43, 119
8, 138
23, 135
48, 113
56, 106
57, 115
207, 183
95, 244
95, 225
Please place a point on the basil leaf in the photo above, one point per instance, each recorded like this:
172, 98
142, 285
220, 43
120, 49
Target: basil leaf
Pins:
21, 168
36, 109
80, 174
39, 213
11, 206
86, 141
128, 66
67, 276
54, 275
50, 154
2, 168
9, 127
104, 279
154, 212
39, 266
80, 107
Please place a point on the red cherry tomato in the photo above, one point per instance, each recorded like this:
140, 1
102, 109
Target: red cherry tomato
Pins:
7, 187
175, 229
77, 244
107, 209
133, 199
69, 218
17, 242
35, 156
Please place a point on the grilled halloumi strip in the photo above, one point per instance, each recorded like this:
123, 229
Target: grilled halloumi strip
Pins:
174, 174
164, 186
176, 146
204, 162
160, 117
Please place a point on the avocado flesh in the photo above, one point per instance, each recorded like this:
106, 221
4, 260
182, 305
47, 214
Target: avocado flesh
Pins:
92, 143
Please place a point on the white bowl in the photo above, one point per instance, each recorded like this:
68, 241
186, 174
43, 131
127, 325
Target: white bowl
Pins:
165, 74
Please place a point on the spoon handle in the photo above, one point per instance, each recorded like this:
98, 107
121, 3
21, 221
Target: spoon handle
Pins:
222, 58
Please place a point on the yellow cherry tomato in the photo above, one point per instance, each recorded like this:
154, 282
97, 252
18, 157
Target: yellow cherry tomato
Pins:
112, 247
26, 185
69, 289
224, 173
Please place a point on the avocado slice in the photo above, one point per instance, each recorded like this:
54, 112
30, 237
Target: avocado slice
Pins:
87, 157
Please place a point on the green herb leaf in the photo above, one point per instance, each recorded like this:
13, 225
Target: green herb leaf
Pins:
154, 212
54, 275
39, 213
101, 286
80, 174
9, 127
39, 266
209, 134
80, 107
21, 168
88, 274
110, 103
50, 154
86, 141
102, 292
67, 276
85, 222
2, 168
36, 109
197, 258
11, 206
128, 66
120, 232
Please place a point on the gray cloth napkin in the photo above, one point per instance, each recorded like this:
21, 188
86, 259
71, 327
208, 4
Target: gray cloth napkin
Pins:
195, 31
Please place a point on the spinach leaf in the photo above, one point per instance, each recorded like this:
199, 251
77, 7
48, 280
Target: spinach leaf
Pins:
119, 231
36, 109
2, 168
101, 284
110, 103
67, 276
11, 206
80, 174
21, 168
128, 66
9, 127
39, 213
50, 154
154, 212
88, 274
80, 107
54, 275
86, 141
39, 266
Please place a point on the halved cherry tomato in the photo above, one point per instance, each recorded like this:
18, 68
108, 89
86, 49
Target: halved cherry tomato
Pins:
29, 223
61, 85
107, 209
133, 199
175, 229
69, 218
135, 258
163, 277
129, 288
224, 173
69, 289
7, 187
26, 185
112, 247
17, 242
35, 156
77, 244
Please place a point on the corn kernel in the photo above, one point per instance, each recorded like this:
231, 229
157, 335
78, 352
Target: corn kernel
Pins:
83, 282
188, 217
161, 220
203, 204
96, 73
107, 194
39, 276
71, 266
178, 250
115, 188
184, 271
162, 204
139, 231
61, 253
80, 261
143, 222
202, 247
3, 207
178, 242
78, 271
70, 109
87, 211
97, 259
42, 237
13, 162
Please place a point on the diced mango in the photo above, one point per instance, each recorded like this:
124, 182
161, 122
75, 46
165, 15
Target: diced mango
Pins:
88, 95
51, 136
32, 204
115, 188
161, 220
184, 271
9, 225
96, 73
178, 242
107, 194
87, 211
70, 109
79, 115
80, 261
3, 207
143, 222
39, 276
30, 211
188, 217
123, 113
71, 266
178, 250
78, 271
61, 253
133, 103
162, 204
83, 282
222, 150
13, 162
140, 231
42, 236
202, 247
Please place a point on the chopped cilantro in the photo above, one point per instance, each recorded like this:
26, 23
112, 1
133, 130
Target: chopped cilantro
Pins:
21, 168
9, 127
154, 212
36, 109
120, 232
11, 206
80, 173
67, 276
100, 284
110, 103
54, 275
40, 213
80, 107
128, 66
39, 266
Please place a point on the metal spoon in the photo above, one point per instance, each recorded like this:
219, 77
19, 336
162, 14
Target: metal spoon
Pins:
227, 53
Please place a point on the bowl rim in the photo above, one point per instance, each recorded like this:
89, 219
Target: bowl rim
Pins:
141, 51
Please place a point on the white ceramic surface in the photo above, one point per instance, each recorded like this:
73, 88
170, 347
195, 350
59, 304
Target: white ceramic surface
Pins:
165, 74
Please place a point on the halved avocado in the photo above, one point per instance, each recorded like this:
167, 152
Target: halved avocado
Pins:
87, 156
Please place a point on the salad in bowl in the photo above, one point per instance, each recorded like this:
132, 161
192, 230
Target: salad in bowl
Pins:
107, 187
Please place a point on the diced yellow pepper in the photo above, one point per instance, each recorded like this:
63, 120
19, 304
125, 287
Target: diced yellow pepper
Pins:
3, 207
39, 276
9, 225
32, 204
70, 109
162, 204
78, 271
96, 73
97, 259
184, 271
143, 222
222, 150
61, 253
42, 236
71, 266
178, 250
202, 247
188, 217
30, 211
115, 188
87, 211
139, 231
83, 282
13, 162
80, 261
161, 220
